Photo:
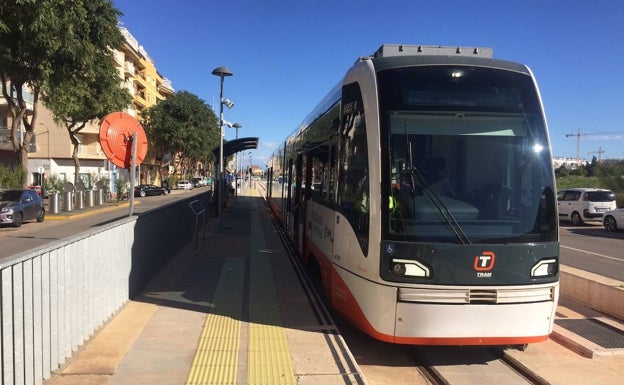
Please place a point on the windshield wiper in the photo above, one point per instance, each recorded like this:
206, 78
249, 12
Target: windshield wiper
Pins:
416, 178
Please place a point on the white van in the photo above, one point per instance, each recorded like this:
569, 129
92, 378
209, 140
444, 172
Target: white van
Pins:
579, 205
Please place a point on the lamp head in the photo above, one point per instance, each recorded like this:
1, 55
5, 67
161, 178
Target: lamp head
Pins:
237, 125
222, 71
228, 103
226, 123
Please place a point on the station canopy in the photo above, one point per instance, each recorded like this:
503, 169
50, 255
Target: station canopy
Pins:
236, 145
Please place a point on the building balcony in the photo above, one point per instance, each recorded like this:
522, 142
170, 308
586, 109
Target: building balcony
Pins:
139, 78
119, 57
129, 69
165, 88
140, 103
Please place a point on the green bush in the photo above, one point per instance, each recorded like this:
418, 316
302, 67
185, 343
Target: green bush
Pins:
54, 184
105, 183
122, 188
12, 177
572, 181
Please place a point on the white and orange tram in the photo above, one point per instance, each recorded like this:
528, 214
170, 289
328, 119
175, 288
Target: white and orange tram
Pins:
422, 187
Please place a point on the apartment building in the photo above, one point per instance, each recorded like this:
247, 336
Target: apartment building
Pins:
147, 86
50, 151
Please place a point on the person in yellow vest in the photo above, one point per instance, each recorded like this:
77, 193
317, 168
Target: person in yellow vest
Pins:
362, 204
395, 213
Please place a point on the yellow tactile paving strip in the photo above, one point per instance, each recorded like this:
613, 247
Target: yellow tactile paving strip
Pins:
216, 358
269, 358
268, 355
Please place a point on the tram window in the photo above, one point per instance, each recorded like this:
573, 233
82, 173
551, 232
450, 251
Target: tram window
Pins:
317, 178
353, 190
495, 177
329, 194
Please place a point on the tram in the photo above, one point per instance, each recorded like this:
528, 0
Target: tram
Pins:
422, 188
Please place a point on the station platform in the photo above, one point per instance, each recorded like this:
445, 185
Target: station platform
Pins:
236, 309
233, 309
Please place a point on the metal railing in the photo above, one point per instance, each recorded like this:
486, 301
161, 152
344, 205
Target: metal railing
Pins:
200, 221
54, 298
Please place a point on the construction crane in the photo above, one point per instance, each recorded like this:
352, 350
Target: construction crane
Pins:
578, 146
599, 152
578, 141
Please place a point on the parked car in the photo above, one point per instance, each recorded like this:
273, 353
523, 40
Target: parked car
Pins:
149, 189
578, 205
613, 220
198, 182
18, 205
185, 185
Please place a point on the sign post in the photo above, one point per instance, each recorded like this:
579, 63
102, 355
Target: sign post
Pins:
124, 143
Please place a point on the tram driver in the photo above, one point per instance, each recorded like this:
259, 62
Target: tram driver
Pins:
435, 175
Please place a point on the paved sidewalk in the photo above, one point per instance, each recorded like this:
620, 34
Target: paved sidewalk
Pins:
164, 336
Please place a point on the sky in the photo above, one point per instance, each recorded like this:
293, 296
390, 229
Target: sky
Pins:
286, 55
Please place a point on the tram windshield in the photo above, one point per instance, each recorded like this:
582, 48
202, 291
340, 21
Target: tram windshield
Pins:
469, 158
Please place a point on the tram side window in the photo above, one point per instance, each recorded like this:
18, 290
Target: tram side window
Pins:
318, 188
320, 147
329, 192
353, 191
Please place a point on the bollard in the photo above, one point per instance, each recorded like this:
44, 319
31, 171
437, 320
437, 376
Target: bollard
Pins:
53, 200
89, 198
100, 197
67, 201
79, 200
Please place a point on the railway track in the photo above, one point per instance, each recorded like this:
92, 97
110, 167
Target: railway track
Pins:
471, 366
383, 363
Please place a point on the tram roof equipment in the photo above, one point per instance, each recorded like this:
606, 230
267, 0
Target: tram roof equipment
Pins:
388, 50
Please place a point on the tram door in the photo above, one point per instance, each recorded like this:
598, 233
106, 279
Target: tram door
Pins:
297, 198
305, 201
293, 200
289, 187
269, 184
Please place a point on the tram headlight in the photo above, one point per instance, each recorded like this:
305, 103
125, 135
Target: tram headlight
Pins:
545, 268
409, 268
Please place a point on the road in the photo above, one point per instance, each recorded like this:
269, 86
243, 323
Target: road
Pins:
33, 235
592, 248
589, 247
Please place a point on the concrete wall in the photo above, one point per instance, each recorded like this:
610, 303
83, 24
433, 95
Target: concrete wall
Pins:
54, 298
594, 291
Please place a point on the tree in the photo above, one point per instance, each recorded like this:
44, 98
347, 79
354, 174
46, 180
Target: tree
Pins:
562, 171
85, 96
41, 43
182, 125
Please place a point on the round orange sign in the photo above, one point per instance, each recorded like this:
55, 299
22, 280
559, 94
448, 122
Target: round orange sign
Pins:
116, 131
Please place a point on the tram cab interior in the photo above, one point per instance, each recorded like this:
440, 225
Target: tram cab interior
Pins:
487, 178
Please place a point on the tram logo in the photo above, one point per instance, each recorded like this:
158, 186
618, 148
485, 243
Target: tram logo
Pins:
485, 261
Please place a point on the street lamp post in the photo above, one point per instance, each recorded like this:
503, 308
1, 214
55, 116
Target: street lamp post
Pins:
222, 72
236, 126
47, 131
42, 174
